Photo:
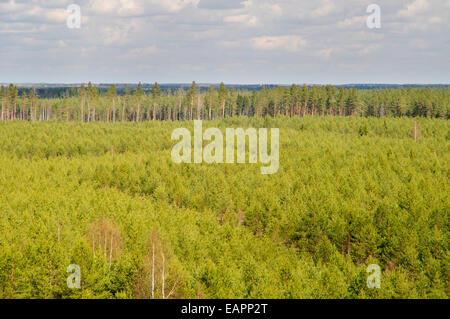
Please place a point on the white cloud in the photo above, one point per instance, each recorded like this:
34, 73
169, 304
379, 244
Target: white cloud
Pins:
104, 6
11, 6
221, 36
139, 7
351, 22
369, 49
289, 43
413, 8
325, 53
242, 19
325, 9
176, 5
141, 52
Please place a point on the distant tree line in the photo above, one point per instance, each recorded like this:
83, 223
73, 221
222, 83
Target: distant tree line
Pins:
89, 104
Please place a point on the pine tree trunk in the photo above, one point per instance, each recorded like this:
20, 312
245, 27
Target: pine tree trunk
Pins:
114, 110
153, 272
138, 113
82, 110
123, 110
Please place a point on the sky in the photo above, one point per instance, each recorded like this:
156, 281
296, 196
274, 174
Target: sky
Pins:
234, 41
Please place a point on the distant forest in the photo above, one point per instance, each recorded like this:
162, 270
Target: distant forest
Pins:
45, 90
144, 102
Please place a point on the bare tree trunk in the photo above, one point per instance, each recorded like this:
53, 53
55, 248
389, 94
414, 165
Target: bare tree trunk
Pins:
153, 272
199, 107
210, 109
163, 276
110, 252
82, 110
138, 115
123, 110
105, 248
114, 110
93, 244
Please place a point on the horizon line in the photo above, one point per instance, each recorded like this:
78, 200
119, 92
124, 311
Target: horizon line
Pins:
218, 83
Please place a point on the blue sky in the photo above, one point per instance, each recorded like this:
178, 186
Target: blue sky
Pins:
239, 42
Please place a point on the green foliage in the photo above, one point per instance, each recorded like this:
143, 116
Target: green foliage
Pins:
363, 131
141, 104
338, 203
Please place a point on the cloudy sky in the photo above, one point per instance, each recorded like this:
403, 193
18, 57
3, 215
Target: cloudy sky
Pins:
252, 41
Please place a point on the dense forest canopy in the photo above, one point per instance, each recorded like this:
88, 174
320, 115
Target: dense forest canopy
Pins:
89, 103
350, 192
359, 183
